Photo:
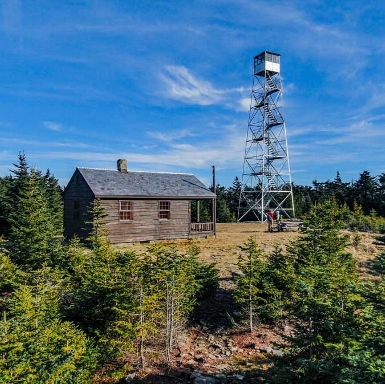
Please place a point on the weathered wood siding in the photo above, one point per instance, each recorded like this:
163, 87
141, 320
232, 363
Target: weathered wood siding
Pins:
76, 191
146, 226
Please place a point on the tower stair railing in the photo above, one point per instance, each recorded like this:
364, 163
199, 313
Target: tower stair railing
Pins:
272, 85
271, 181
273, 150
269, 114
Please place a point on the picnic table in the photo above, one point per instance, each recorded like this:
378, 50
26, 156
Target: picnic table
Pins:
291, 225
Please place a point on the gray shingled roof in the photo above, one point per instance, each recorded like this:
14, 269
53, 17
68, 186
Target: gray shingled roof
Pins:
112, 183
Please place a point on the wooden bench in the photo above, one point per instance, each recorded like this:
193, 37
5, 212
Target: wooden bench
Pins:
291, 225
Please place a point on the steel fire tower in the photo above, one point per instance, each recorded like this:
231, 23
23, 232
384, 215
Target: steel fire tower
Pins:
266, 179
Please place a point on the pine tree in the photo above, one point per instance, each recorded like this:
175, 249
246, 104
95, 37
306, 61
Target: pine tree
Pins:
278, 283
98, 237
364, 360
32, 212
35, 344
176, 290
31, 228
5, 205
249, 292
233, 194
10, 186
324, 300
53, 196
365, 191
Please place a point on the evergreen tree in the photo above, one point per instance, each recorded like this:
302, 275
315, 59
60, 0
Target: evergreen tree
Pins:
10, 278
204, 211
53, 196
233, 194
98, 237
5, 205
36, 346
303, 199
10, 186
31, 227
340, 190
324, 300
31, 210
176, 290
365, 191
278, 282
364, 361
224, 214
381, 193
249, 291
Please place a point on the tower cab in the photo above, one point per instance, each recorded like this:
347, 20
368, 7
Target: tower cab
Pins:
267, 62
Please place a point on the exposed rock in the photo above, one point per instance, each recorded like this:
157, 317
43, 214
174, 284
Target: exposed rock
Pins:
266, 349
200, 379
277, 352
223, 367
204, 380
195, 374
199, 358
129, 378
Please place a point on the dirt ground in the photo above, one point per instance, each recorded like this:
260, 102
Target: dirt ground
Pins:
223, 249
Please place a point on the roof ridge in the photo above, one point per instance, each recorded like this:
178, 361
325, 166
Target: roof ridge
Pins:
128, 171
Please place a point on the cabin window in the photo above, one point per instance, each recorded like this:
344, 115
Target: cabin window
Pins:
164, 210
76, 210
125, 210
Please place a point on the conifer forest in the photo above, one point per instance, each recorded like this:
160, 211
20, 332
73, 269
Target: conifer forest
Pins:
89, 312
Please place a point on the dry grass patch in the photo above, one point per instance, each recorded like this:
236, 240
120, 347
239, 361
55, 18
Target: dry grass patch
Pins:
223, 249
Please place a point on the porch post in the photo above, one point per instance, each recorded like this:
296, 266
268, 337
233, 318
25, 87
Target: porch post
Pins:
214, 203
215, 216
198, 211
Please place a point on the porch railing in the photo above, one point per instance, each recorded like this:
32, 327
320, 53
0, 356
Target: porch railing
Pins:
201, 227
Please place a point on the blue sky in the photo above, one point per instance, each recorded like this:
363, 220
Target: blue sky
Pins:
166, 84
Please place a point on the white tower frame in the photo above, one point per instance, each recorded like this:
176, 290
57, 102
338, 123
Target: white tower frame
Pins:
266, 179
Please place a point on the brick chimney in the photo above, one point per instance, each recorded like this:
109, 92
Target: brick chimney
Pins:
122, 165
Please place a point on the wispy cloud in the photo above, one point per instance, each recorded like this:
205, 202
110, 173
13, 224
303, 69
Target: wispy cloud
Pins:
171, 135
183, 86
52, 126
47, 144
244, 104
222, 153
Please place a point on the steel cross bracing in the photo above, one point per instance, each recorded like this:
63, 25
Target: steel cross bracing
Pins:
266, 179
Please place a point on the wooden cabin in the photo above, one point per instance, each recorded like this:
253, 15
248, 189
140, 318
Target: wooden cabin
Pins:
140, 206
